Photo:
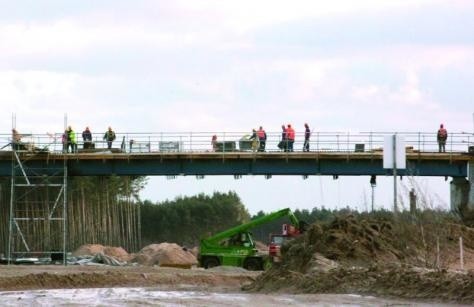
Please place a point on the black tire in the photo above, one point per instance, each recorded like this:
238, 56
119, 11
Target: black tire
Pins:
253, 264
210, 262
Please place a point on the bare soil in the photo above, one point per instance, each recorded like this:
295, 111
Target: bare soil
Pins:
29, 277
375, 257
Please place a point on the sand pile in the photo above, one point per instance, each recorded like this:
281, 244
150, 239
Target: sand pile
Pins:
165, 254
93, 249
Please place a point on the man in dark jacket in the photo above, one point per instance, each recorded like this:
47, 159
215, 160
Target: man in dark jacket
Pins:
87, 138
442, 136
307, 134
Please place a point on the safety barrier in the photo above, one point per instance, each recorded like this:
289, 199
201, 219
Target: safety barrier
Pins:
347, 142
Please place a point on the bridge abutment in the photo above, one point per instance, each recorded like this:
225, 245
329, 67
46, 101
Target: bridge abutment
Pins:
462, 195
459, 193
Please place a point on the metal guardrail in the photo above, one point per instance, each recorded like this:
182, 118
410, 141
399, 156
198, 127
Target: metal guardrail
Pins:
131, 142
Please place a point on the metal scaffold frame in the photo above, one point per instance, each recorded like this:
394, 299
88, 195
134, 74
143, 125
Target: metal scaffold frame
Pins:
38, 208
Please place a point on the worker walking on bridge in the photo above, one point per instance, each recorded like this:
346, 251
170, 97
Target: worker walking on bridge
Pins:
283, 144
262, 137
442, 137
290, 134
307, 134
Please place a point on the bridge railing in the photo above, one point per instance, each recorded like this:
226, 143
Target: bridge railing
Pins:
144, 142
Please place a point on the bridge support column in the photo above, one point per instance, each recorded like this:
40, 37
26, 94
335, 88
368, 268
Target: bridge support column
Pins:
470, 203
459, 193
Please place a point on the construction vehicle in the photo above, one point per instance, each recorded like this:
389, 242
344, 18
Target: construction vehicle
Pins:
277, 240
235, 246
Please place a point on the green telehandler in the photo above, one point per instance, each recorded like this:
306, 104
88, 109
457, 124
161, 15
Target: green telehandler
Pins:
235, 246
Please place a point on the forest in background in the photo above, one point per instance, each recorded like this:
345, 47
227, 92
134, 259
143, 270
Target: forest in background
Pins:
186, 220
103, 210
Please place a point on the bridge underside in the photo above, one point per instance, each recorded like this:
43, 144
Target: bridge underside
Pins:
313, 163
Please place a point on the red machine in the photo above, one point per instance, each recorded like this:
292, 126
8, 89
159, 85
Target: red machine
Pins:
276, 241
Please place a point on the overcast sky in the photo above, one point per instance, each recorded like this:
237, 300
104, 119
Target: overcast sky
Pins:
213, 65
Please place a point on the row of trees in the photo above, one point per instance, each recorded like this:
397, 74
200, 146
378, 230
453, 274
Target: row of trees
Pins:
99, 210
186, 220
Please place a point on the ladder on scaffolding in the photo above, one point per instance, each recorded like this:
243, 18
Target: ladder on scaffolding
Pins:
38, 209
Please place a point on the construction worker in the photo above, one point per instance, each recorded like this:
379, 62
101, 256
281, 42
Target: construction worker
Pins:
442, 136
71, 140
283, 144
290, 134
16, 139
255, 140
262, 137
214, 143
307, 134
87, 138
64, 139
109, 136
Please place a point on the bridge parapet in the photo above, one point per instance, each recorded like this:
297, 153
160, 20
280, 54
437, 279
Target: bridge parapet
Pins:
133, 142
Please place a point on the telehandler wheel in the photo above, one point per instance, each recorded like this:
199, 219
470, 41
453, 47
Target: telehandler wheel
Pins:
253, 264
210, 262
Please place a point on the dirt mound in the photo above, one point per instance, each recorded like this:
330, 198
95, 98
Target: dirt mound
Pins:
401, 282
93, 249
165, 254
375, 256
347, 240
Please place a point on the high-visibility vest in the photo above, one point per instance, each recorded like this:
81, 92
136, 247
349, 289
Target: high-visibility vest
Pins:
261, 134
290, 133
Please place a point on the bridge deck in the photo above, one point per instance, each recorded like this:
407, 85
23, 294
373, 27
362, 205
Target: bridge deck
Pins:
240, 163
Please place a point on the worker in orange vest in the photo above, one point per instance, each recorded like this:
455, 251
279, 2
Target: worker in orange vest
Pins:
290, 133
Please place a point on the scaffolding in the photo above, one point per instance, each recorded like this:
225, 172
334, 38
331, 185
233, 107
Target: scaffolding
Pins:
38, 207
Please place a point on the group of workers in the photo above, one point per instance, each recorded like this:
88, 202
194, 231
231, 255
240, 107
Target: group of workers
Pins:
69, 139
287, 138
286, 143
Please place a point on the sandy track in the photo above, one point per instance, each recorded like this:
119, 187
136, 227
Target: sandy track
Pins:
26, 277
